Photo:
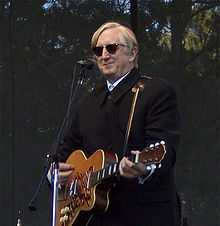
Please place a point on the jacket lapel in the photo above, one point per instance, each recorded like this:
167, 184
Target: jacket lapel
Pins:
120, 90
125, 85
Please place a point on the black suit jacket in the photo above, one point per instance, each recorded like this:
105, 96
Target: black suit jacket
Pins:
100, 123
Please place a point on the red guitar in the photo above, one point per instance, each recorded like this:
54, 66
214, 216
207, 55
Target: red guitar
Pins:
86, 191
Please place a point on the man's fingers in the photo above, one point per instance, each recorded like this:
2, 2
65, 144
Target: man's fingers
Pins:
130, 170
65, 167
125, 168
65, 173
65, 170
63, 176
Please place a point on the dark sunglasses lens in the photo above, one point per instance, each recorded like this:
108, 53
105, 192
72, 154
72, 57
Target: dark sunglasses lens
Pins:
98, 50
111, 48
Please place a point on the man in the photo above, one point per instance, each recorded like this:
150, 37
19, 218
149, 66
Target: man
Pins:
101, 123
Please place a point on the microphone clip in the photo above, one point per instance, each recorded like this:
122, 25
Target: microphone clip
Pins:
86, 63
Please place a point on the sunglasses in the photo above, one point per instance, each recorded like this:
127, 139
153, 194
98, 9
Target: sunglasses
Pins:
111, 48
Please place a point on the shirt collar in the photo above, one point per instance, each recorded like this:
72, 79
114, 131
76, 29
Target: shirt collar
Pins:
111, 86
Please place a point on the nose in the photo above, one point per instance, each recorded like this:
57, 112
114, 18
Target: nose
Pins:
105, 53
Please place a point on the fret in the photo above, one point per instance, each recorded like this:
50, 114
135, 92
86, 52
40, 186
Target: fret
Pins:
88, 179
93, 178
103, 173
110, 170
73, 188
115, 168
98, 175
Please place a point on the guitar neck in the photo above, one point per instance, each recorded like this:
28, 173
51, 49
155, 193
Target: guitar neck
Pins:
109, 171
152, 155
100, 175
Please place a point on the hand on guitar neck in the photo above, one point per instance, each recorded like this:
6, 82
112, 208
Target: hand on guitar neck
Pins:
130, 169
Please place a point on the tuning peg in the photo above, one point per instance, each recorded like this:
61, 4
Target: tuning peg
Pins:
162, 142
148, 168
152, 146
157, 144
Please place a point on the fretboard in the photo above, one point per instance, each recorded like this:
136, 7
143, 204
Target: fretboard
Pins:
107, 172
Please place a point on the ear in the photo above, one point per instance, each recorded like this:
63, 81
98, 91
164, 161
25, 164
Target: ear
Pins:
133, 54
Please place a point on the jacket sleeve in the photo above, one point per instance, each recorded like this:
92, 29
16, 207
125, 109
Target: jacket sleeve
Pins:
162, 122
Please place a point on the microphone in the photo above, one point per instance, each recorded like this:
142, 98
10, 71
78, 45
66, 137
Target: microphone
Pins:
87, 63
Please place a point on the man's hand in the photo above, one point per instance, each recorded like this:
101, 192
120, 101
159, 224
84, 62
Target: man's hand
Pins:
64, 171
129, 169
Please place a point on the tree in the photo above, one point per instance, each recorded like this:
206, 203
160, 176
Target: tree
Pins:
134, 15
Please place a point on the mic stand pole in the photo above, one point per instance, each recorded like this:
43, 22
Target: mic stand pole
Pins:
55, 170
55, 164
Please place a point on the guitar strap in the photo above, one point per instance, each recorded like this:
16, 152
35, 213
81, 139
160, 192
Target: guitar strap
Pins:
139, 86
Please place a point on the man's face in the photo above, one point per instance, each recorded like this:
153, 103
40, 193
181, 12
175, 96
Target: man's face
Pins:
114, 65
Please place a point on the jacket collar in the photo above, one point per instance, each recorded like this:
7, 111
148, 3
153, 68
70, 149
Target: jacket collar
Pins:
125, 85
122, 88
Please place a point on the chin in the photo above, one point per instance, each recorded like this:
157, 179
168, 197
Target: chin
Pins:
108, 73
108, 76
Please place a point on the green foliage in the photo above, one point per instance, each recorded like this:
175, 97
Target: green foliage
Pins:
199, 31
181, 32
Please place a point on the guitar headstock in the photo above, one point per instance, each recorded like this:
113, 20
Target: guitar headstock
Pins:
154, 154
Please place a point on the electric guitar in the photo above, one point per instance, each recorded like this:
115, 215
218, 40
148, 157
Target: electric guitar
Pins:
87, 188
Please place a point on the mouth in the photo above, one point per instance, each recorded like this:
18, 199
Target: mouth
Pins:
107, 64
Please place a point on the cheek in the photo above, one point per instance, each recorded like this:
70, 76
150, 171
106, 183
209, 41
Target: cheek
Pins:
99, 63
123, 62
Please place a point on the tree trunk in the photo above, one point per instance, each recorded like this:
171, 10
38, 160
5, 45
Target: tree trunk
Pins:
181, 12
134, 16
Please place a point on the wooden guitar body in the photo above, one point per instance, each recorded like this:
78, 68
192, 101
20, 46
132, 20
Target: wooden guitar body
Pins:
83, 195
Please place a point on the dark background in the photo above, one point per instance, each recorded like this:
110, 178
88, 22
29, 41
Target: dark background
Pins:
40, 42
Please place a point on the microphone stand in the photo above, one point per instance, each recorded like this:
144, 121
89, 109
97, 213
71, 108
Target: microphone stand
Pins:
55, 171
52, 160
55, 164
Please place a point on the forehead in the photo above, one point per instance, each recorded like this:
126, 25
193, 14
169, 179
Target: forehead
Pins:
108, 36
